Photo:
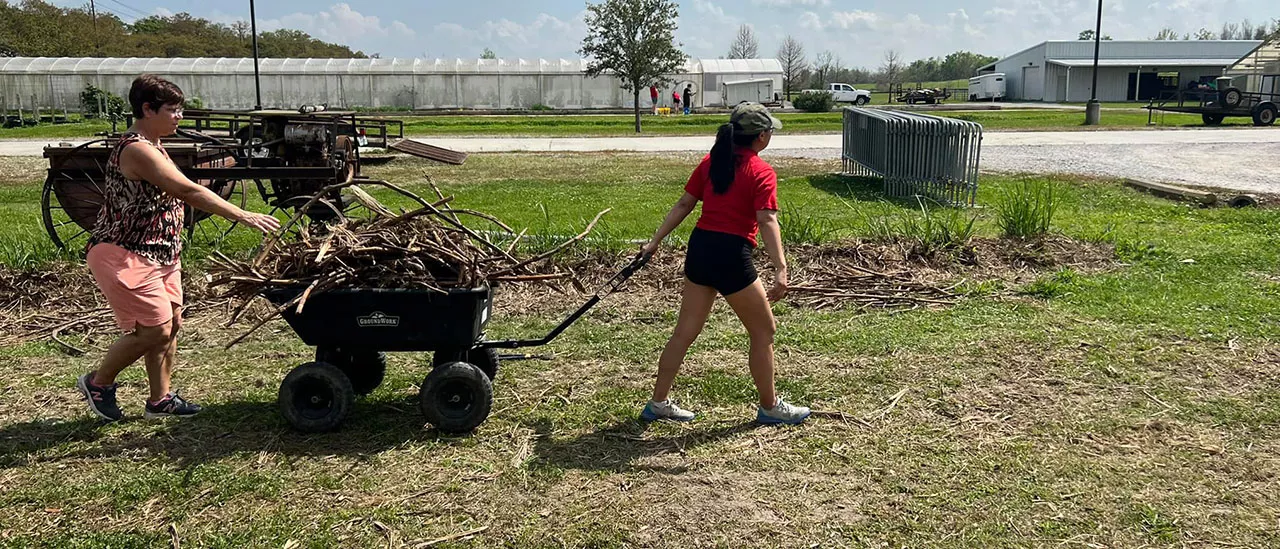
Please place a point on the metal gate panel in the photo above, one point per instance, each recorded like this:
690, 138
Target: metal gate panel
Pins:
914, 154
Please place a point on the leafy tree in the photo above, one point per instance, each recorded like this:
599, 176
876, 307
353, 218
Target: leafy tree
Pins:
36, 28
488, 54
1088, 35
633, 40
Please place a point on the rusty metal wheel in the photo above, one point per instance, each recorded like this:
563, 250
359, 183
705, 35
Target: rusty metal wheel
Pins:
72, 196
69, 208
208, 229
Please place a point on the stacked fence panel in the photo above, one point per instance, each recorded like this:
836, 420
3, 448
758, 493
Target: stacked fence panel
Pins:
915, 154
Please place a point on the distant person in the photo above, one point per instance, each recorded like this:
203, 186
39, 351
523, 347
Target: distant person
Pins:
675, 100
739, 195
688, 98
653, 98
135, 247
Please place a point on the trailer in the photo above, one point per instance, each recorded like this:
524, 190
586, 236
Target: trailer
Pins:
1225, 101
987, 87
756, 90
1248, 88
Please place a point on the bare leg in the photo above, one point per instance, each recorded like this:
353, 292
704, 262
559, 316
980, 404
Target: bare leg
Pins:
128, 349
695, 307
160, 361
752, 308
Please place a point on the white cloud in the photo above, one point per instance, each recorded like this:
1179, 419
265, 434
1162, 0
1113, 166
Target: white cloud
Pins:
810, 21
162, 12
545, 36
853, 20
343, 25
790, 3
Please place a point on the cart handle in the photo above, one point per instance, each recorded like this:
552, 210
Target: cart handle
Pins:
611, 286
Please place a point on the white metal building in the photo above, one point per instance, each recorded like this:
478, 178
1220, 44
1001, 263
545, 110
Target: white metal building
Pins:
227, 83
1128, 70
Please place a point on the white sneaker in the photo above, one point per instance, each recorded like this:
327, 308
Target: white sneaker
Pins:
782, 413
665, 410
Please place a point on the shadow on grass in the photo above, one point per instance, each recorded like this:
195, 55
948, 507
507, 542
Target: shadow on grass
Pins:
617, 447
222, 429
857, 189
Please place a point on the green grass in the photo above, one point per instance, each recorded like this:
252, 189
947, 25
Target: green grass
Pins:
1130, 406
698, 124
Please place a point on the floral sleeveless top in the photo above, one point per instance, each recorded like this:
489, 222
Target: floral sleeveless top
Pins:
136, 215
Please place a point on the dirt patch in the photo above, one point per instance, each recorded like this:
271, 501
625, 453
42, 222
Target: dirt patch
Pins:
881, 268
62, 302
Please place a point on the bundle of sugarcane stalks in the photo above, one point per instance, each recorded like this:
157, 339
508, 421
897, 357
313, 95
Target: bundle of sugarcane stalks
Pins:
425, 248
833, 283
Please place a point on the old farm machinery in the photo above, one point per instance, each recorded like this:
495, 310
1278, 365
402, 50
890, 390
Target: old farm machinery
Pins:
287, 156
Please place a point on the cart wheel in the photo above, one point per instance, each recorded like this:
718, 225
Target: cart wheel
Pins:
1231, 97
365, 368
1264, 115
316, 397
456, 397
484, 359
71, 198
1212, 119
209, 229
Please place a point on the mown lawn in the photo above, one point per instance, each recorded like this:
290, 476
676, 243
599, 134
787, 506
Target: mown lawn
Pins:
1128, 406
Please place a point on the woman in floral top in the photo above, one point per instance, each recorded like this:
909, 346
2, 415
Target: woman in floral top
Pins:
135, 250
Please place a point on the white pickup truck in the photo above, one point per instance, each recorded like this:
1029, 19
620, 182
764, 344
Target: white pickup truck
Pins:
844, 93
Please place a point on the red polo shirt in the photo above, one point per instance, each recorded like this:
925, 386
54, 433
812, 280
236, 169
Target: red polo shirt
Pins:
754, 188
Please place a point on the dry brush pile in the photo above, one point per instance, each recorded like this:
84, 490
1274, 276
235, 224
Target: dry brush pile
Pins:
426, 248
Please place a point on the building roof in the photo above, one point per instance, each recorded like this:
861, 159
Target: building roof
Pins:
1143, 62
395, 65
1164, 52
739, 66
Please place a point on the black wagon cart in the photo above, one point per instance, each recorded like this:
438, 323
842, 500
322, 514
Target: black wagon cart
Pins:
352, 329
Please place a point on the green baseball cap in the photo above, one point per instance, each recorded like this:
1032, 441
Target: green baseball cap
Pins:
754, 118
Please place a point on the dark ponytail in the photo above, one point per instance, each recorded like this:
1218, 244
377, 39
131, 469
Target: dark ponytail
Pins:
724, 162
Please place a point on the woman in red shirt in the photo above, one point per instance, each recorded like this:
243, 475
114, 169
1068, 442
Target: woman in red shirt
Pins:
739, 195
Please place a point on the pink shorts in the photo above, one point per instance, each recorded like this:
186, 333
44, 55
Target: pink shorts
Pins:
138, 290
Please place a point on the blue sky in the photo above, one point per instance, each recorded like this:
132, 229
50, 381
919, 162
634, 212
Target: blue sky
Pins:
859, 32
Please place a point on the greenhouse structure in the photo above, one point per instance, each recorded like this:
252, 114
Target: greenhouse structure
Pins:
391, 83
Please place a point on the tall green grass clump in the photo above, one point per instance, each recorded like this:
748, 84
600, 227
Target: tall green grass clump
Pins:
936, 229
800, 227
1025, 209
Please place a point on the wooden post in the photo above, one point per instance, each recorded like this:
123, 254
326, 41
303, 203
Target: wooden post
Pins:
1173, 191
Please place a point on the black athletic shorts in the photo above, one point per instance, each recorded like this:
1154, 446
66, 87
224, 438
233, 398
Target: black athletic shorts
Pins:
719, 260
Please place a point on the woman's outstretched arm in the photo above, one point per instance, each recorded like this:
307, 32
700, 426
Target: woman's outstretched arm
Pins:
678, 212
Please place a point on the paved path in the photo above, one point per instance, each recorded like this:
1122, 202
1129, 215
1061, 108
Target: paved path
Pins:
1247, 159
783, 141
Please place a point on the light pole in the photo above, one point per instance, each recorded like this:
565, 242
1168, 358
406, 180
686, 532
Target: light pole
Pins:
257, 82
1093, 110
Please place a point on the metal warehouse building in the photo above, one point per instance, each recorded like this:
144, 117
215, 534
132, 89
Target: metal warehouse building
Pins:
227, 83
1128, 70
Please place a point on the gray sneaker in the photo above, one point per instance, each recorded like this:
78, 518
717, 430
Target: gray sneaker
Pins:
102, 400
665, 410
781, 413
